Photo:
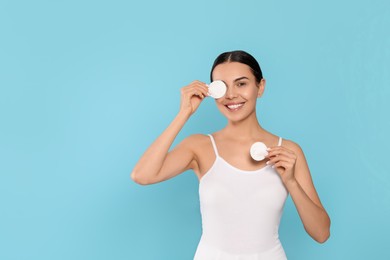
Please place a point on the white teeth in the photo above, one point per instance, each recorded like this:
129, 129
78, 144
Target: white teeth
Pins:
235, 106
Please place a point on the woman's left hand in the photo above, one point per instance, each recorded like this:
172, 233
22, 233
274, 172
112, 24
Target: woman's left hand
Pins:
283, 161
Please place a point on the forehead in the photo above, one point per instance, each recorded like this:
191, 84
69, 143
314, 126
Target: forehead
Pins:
231, 71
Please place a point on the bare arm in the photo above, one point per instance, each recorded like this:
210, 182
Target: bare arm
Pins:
297, 179
312, 213
157, 164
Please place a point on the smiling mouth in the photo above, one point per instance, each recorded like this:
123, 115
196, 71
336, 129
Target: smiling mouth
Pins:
234, 107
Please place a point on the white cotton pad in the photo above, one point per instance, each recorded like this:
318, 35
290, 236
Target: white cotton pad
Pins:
258, 151
217, 89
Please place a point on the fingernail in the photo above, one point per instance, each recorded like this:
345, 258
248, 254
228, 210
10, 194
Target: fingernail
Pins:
267, 162
268, 149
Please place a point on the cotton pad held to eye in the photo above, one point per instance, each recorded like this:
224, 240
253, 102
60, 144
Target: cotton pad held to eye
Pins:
217, 89
258, 151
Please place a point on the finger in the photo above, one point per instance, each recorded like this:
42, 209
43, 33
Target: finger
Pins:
279, 153
193, 90
279, 164
199, 88
286, 149
285, 165
279, 158
199, 93
277, 148
280, 149
191, 95
203, 87
196, 88
197, 82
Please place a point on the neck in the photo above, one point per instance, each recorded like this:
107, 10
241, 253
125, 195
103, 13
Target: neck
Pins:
248, 128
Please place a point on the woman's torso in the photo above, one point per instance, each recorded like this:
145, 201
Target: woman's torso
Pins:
241, 208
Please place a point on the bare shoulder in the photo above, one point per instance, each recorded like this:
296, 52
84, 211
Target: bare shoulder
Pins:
289, 144
196, 141
297, 150
197, 137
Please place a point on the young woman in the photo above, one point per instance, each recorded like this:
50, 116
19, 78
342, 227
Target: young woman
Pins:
241, 199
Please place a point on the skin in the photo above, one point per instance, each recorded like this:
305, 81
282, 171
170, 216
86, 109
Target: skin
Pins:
242, 129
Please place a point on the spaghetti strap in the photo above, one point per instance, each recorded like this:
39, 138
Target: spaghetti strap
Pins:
214, 146
280, 141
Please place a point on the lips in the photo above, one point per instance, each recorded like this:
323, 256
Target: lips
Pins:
234, 106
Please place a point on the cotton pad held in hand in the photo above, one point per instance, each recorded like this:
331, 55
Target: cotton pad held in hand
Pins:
258, 151
217, 89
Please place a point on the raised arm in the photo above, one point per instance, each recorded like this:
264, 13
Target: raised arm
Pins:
157, 164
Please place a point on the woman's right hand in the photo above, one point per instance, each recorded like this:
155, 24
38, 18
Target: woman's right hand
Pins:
192, 95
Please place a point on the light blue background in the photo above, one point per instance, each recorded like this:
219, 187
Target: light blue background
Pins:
86, 86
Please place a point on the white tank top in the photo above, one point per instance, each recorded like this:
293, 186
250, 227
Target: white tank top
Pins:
241, 212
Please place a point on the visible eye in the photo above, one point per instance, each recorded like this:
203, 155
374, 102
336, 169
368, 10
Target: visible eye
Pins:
241, 84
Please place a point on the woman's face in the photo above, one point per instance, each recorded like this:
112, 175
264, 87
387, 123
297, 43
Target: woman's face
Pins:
239, 102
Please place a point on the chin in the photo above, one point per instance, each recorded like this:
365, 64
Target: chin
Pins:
235, 115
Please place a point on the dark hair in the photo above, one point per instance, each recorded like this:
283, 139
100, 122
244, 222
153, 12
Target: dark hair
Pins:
239, 56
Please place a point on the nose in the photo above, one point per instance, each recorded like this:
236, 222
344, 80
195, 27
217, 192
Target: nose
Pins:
231, 92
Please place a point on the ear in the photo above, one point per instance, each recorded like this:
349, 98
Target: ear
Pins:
261, 86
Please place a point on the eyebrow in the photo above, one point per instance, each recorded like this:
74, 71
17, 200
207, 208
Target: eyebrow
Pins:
237, 79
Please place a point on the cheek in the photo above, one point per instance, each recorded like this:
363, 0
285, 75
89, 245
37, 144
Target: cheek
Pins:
249, 93
219, 103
